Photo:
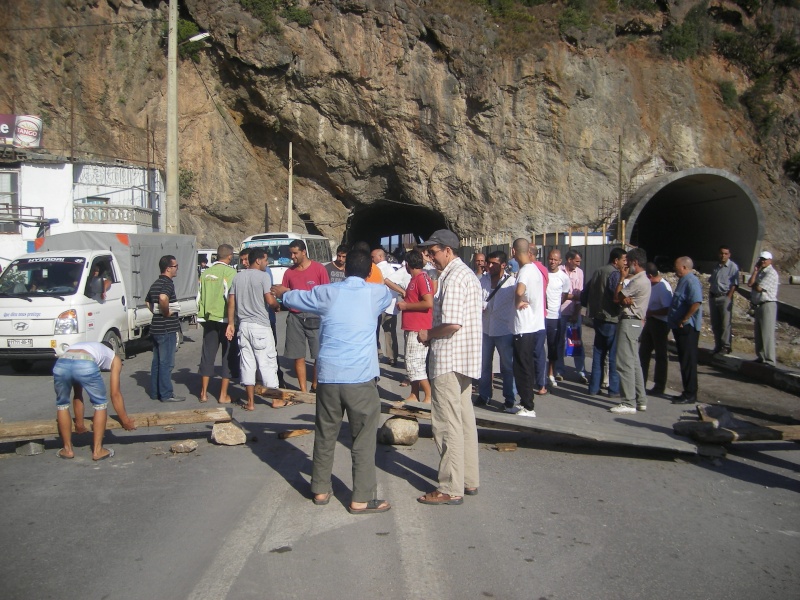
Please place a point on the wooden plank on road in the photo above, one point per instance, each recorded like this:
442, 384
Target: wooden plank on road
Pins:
37, 430
611, 433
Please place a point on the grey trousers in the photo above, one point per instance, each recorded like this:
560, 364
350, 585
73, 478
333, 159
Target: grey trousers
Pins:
766, 315
363, 406
720, 308
654, 338
631, 381
455, 432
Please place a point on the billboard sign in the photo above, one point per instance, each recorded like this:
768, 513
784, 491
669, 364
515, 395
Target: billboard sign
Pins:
21, 131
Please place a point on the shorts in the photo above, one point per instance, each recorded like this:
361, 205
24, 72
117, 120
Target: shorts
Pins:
416, 355
68, 372
299, 329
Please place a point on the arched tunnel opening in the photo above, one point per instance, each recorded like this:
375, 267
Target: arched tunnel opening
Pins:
692, 213
377, 221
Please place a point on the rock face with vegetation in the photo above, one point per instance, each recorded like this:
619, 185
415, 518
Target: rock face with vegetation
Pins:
503, 116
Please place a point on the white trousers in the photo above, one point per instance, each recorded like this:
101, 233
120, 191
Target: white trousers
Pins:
257, 351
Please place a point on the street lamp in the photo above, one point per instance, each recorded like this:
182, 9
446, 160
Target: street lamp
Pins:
172, 219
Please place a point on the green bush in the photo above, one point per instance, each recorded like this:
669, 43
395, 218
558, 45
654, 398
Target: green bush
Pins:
186, 179
760, 108
573, 17
727, 92
646, 6
264, 11
693, 37
792, 167
301, 16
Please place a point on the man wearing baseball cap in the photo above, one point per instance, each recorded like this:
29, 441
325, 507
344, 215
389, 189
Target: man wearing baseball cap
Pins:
455, 351
764, 282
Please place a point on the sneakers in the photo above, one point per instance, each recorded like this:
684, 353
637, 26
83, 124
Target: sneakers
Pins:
641, 407
622, 409
559, 377
553, 381
512, 410
584, 379
524, 412
174, 399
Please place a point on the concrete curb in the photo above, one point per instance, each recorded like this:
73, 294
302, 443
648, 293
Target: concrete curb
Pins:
782, 379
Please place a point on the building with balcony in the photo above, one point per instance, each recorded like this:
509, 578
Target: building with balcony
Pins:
43, 197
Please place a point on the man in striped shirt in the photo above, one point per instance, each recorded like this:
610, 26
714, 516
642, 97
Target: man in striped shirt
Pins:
164, 331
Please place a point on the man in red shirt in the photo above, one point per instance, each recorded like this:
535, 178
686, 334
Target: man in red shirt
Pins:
417, 310
302, 328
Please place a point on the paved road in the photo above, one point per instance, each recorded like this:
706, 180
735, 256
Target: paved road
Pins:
555, 519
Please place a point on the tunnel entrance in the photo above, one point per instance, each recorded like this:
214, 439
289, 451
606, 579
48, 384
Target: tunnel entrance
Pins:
384, 219
692, 213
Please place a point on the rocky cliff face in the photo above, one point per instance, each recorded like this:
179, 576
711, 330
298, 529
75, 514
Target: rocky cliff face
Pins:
413, 102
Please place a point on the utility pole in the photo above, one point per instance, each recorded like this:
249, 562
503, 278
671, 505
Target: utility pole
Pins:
171, 206
290, 207
620, 231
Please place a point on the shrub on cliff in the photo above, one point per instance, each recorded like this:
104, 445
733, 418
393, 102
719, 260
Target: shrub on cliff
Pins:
693, 37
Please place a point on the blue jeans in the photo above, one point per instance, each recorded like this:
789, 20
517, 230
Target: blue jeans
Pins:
67, 372
505, 348
605, 344
580, 365
163, 363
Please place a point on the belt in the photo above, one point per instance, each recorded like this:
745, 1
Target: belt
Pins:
77, 356
764, 302
630, 317
717, 295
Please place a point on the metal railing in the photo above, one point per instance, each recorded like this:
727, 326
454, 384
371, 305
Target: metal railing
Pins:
115, 214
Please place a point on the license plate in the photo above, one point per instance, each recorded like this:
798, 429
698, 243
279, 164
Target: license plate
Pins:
20, 343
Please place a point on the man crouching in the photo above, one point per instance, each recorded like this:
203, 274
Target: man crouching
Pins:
79, 370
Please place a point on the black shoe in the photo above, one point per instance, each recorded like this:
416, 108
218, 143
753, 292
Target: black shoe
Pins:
684, 399
480, 402
173, 399
655, 392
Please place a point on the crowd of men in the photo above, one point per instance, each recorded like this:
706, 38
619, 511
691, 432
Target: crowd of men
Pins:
454, 318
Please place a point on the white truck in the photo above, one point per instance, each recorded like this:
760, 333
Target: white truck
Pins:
88, 286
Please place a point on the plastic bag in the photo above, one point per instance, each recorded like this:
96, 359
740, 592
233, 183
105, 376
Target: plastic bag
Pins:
574, 345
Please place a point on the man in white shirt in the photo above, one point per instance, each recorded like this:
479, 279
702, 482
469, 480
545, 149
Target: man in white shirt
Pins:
529, 331
656, 330
558, 289
388, 320
497, 288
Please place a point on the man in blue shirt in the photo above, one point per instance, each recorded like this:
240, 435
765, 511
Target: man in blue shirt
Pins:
685, 318
347, 366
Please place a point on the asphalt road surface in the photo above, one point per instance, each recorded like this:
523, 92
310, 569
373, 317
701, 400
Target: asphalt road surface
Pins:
557, 519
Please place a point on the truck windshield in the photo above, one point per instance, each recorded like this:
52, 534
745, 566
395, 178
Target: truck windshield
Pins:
51, 276
277, 251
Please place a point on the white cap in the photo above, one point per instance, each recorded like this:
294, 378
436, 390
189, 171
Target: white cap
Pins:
765, 255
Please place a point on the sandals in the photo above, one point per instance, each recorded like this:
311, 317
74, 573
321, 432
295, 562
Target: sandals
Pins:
373, 506
322, 501
65, 457
285, 404
436, 498
109, 455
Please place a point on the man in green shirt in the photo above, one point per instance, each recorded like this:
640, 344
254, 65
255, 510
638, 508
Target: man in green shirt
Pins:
215, 283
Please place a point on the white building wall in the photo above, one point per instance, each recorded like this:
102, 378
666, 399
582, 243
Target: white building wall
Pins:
56, 187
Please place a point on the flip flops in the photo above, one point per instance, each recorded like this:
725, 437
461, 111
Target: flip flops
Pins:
285, 404
436, 498
109, 455
373, 506
60, 455
323, 501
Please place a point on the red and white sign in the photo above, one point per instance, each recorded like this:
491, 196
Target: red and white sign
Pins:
21, 131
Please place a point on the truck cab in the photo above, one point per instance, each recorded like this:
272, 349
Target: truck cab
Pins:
51, 300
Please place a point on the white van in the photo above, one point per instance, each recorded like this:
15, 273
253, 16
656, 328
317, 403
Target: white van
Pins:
87, 287
277, 246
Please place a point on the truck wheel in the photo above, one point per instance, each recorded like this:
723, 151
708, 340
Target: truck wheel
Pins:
116, 343
21, 366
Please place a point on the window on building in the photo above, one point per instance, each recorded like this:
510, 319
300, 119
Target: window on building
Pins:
95, 200
9, 202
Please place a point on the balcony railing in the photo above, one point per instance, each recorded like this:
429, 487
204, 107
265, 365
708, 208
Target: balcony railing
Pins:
115, 214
